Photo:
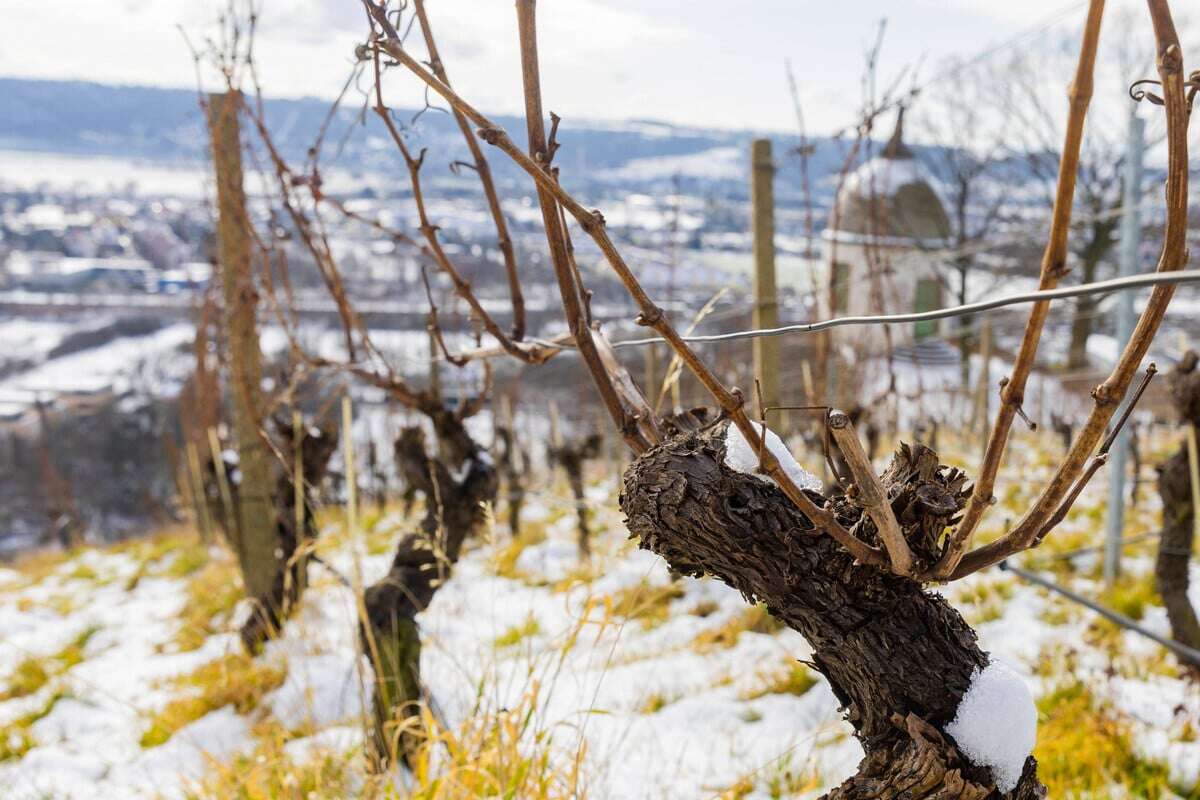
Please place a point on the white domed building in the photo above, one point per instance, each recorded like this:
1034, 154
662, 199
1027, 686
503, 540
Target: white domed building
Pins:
885, 241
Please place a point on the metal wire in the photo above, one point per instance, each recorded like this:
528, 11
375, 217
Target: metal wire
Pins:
1098, 287
1182, 650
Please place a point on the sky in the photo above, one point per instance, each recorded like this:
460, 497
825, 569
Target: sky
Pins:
702, 63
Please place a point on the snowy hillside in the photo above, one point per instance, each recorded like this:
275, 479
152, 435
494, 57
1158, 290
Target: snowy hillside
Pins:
548, 676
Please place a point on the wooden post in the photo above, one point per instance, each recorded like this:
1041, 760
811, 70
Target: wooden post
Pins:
258, 545
199, 496
766, 309
556, 437
652, 384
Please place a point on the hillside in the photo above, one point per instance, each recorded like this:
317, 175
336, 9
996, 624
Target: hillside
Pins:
165, 125
548, 676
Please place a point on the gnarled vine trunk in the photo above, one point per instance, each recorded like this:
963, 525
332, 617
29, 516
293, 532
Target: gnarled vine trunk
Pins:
899, 659
296, 532
511, 463
1175, 488
570, 456
454, 508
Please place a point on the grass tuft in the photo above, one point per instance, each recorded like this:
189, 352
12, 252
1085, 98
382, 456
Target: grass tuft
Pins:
1084, 750
212, 593
754, 619
34, 672
188, 559
1132, 594
29, 676
792, 678
503, 561
983, 600
647, 603
268, 773
494, 753
236, 680
655, 702
518, 633
84, 572
15, 737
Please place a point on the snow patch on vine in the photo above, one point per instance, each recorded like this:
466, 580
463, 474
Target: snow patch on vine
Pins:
996, 723
742, 456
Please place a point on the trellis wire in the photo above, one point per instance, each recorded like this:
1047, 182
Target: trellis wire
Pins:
1097, 287
1182, 650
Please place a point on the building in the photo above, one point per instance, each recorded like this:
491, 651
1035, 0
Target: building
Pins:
39, 271
884, 242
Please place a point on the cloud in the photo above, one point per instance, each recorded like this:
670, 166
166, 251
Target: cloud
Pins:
692, 61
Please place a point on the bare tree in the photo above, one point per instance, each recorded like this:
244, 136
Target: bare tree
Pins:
1035, 129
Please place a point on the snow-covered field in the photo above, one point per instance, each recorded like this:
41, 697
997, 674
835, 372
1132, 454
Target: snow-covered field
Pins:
631, 684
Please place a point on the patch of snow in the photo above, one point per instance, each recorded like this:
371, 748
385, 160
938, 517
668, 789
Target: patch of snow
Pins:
996, 723
884, 177
716, 163
186, 756
741, 456
335, 740
553, 559
320, 690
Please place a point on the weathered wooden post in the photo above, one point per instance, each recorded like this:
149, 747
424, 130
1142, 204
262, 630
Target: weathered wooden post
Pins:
766, 307
257, 542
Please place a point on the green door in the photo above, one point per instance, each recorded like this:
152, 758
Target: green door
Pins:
841, 287
929, 295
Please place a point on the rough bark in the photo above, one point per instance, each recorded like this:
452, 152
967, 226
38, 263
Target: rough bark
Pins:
570, 456
510, 463
455, 508
897, 658
860, 418
270, 610
257, 545
1175, 488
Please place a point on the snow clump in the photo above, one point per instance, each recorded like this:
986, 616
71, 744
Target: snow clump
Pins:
742, 456
996, 723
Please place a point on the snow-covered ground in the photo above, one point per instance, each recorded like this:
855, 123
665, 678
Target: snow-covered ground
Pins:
664, 702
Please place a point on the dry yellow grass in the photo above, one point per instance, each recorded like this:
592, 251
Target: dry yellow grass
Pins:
212, 593
495, 753
1084, 750
647, 603
790, 677
15, 737
34, 672
269, 774
754, 619
519, 633
235, 680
